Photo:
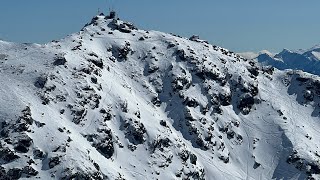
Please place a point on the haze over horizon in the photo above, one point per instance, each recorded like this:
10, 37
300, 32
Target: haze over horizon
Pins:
238, 26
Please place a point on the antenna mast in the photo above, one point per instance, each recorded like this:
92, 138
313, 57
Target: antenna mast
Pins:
109, 5
111, 9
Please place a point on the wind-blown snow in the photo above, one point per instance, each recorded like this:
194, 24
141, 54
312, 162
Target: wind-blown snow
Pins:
116, 102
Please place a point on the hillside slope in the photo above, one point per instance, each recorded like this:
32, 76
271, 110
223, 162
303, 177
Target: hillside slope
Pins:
116, 102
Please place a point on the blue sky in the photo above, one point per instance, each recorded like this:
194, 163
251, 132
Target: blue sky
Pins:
246, 25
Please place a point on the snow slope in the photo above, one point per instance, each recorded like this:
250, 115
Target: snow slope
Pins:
116, 102
306, 60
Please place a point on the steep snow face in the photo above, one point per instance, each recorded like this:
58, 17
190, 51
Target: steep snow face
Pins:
306, 60
115, 102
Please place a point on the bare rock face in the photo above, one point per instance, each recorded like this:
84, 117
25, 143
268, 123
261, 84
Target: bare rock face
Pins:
40, 82
135, 131
59, 61
22, 144
102, 141
54, 161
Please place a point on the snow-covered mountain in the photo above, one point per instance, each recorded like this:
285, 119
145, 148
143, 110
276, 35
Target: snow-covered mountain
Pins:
306, 60
117, 102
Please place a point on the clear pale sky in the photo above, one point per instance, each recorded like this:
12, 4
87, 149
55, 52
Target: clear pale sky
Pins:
239, 25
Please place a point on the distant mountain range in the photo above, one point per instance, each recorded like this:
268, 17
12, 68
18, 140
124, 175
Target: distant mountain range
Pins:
306, 60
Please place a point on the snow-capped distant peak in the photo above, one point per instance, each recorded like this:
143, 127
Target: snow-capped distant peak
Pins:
254, 55
266, 52
316, 54
285, 51
306, 60
314, 48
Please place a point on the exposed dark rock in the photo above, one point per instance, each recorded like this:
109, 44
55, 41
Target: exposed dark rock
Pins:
61, 98
3, 174
106, 114
123, 52
26, 116
92, 54
29, 171
103, 142
78, 114
230, 134
156, 101
294, 157
256, 165
252, 63
123, 28
200, 142
14, 173
124, 106
163, 123
254, 71
246, 103
40, 82
224, 159
190, 102
225, 99
38, 154
180, 83
94, 80
98, 63
53, 161
314, 168
93, 21
152, 68
62, 111
135, 131
194, 38
252, 89
7, 155
171, 45
58, 61
268, 69
212, 75
181, 54
83, 176
184, 155
188, 115
161, 144
87, 70
106, 149
199, 175
21, 149
193, 159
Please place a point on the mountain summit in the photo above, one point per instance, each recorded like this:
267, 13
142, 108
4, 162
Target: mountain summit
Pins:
117, 102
